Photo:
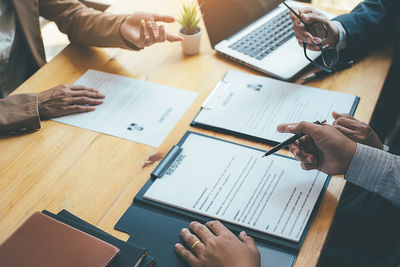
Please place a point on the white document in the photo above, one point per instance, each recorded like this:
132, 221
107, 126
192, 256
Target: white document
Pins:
233, 183
135, 110
255, 105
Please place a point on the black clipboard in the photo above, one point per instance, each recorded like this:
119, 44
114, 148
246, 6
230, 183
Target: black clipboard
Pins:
144, 217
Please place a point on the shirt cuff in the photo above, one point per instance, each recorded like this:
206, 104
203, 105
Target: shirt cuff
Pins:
369, 168
341, 44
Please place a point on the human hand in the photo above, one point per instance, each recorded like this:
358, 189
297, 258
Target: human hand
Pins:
218, 247
356, 130
142, 30
67, 99
323, 147
309, 16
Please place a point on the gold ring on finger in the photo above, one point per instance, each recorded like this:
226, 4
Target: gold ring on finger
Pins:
195, 244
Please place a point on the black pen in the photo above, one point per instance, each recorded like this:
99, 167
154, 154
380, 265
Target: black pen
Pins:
321, 73
315, 75
289, 141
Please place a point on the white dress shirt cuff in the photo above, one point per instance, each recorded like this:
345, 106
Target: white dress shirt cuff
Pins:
341, 44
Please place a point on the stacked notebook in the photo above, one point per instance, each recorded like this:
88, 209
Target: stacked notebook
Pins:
62, 239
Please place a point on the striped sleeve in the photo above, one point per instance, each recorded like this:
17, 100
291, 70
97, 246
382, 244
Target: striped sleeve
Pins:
377, 171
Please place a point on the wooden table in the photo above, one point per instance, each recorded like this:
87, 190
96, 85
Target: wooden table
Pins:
96, 176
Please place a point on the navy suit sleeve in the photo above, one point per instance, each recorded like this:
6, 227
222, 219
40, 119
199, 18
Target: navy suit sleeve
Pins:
370, 25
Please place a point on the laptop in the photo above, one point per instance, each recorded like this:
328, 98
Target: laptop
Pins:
256, 33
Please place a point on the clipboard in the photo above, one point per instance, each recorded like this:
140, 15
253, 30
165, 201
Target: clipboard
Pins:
216, 95
156, 226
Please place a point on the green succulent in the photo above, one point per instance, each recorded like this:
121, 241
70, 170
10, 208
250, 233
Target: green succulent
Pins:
189, 18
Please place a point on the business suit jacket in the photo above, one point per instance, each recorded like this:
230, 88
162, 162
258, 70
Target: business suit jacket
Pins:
83, 25
371, 24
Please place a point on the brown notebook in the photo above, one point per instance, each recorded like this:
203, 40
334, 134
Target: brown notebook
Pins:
43, 241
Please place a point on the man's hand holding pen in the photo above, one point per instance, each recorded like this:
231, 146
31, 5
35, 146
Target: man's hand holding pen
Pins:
322, 147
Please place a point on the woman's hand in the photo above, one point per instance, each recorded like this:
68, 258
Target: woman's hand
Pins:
141, 29
67, 99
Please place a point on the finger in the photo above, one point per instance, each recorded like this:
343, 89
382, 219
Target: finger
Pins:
306, 37
309, 147
300, 38
298, 128
314, 17
87, 93
336, 115
186, 254
309, 47
79, 109
151, 32
249, 241
352, 124
295, 149
80, 88
217, 227
147, 41
308, 166
306, 10
201, 231
190, 239
174, 38
82, 100
163, 18
283, 128
142, 31
300, 154
347, 132
303, 156
162, 36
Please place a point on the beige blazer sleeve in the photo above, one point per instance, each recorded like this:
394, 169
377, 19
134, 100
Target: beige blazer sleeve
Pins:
84, 25
19, 113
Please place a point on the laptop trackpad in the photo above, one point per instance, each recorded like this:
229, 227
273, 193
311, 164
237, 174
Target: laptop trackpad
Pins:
288, 59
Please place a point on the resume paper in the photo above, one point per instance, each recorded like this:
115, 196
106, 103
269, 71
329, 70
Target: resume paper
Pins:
136, 110
255, 105
235, 184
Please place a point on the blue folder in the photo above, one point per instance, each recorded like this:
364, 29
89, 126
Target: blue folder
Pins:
157, 226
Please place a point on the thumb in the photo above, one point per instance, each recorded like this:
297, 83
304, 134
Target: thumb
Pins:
298, 128
163, 18
174, 38
249, 241
312, 17
335, 115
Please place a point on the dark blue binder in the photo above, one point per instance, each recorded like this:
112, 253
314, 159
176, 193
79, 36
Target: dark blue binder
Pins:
156, 226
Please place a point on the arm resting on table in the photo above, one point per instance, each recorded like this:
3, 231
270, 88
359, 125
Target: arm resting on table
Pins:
19, 113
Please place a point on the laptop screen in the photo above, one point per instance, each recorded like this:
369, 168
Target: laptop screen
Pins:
226, 17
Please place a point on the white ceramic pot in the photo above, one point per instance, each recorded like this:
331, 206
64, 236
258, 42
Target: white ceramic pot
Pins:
191, 43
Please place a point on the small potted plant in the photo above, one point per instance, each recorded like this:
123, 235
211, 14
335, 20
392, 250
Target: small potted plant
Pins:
190, 30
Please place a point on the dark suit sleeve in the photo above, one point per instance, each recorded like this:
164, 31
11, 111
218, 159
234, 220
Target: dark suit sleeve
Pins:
370, 25
19, 113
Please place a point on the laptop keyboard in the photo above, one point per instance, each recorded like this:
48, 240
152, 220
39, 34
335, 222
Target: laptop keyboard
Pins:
266, 38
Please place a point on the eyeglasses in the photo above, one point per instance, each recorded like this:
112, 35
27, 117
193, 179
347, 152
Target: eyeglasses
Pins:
329, 54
